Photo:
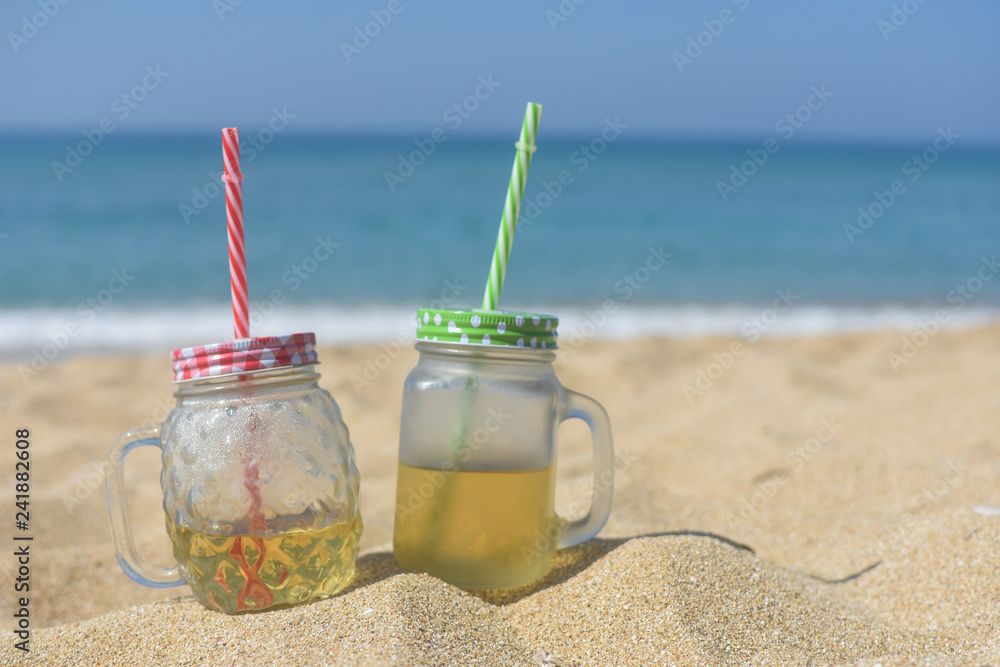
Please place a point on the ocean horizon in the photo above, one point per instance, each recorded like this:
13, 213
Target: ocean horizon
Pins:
126, 245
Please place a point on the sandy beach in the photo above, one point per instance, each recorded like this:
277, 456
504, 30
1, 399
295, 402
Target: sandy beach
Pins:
800, 502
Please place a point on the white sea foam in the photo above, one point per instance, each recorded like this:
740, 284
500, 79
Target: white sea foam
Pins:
24, 331
682, 321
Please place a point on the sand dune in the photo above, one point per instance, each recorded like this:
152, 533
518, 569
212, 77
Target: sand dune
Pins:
809, 504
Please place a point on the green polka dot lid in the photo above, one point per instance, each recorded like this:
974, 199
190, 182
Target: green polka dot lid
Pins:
487, 327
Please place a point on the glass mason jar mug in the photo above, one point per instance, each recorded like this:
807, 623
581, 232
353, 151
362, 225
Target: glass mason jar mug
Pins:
477, 451
259, 483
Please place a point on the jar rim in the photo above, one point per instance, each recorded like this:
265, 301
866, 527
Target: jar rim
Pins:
492, 352
246, 381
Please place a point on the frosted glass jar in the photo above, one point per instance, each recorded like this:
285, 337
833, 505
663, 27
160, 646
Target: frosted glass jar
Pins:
477, 451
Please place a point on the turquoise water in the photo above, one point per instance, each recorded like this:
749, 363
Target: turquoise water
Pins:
334, 226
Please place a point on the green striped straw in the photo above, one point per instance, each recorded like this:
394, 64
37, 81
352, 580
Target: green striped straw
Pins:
518, 177
525, 147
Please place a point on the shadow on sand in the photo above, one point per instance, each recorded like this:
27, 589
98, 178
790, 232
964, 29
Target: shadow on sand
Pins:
565, 564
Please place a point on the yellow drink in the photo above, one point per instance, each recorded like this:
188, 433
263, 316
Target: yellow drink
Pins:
476, 529
241, 573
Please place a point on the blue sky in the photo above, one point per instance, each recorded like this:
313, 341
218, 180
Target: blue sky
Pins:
604, 60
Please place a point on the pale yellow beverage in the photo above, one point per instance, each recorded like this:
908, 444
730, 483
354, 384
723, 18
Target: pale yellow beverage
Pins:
476, 529
242, 573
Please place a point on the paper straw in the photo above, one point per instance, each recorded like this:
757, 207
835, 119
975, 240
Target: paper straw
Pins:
518, 177
234, 214
254, 594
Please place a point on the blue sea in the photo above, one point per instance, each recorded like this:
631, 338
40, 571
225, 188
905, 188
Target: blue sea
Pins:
122, 243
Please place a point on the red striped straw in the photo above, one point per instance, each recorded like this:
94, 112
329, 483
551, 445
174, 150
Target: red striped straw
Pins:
254, 593
234, 213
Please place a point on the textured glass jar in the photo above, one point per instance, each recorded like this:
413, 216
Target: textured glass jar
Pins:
477, 455
260, 491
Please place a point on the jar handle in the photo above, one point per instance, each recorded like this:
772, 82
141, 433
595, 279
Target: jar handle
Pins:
578, 406
121, 530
